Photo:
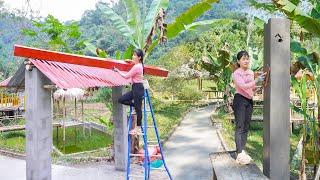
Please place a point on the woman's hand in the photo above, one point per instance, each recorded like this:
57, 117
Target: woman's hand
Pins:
260, 78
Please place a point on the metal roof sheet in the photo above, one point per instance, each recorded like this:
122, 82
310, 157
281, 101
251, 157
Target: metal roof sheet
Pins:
66, 75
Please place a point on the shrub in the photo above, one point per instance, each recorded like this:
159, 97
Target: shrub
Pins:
189, 93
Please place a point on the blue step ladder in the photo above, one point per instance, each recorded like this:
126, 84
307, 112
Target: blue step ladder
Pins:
144, 130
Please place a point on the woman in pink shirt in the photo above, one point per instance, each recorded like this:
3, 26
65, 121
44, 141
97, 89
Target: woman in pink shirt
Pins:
135, 96
245, 84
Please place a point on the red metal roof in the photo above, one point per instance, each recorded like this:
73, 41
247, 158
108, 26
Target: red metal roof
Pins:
35, 53
77, 76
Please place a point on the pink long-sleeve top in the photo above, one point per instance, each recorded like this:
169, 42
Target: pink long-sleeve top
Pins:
135, 73
244, 82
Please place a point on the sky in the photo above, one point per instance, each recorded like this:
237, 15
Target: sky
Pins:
64, 10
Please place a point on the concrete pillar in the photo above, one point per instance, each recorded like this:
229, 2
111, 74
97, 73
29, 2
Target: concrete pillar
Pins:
38, 126
276, 116
120, 130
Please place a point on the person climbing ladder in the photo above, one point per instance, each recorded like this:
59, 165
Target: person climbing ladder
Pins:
137, 91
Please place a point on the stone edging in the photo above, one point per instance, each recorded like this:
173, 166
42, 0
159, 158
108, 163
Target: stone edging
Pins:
12, 153
218, 130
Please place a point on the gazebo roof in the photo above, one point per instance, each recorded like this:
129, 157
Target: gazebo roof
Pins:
76, 76
75, 71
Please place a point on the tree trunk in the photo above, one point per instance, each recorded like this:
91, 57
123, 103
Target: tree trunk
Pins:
302, 175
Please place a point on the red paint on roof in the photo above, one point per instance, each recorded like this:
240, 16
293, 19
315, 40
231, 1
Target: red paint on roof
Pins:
54, 56
76, 76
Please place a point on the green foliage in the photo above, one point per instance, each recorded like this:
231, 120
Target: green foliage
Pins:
259, 23
11, 24
118, 22
105, 95
188, 17
108, 123
265, 6
174, 58
128, 53
132, 30
297, 48
310, 135
291, 10
210, 23
137, 28
13, 134
190, 93
310, 24
167, 87
54, 35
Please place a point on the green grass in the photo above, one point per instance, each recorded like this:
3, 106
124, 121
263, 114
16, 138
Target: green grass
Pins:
15, 140
254, 145
168, 116
76, 141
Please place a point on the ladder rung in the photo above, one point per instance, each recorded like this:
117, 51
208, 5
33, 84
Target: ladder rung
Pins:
140, 134
153, 145
136, 176
159, 169
148, 126
152, 141
142, 155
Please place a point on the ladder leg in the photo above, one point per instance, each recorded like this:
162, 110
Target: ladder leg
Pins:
146, 162
145, 141
156, 131
129, 144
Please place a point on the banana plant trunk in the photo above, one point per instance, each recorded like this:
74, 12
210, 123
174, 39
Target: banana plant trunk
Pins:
318, 120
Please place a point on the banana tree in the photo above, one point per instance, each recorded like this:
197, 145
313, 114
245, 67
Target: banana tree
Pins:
309, 77
309, 22
145, 30
309, 132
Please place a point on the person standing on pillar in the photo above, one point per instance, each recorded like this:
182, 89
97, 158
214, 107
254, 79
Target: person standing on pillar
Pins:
243, 78
135, 96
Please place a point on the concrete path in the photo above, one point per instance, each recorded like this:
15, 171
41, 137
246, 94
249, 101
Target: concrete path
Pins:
187, 151
15, 169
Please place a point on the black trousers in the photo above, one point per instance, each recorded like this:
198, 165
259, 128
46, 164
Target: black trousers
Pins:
242, 108
134, 98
